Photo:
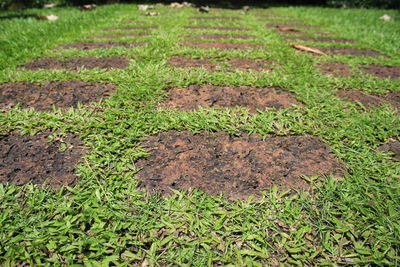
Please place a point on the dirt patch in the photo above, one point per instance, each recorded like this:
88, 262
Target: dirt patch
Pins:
215, 28
351, 51
250, 64
273, 25
131, 28
382, 71
235, 166
321, 39
393, 146
44, 96
369, 100
221, 36
75, 63
90, 45
185, 62
119, 35
132, 21
334, 69
220, 45
252, 98
215, 18
33, 159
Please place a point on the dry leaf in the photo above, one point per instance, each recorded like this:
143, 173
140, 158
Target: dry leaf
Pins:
49, 5
152, 13
308, 49
88, 7
50, 17
386, 17
287, 29
145, 7
176, 5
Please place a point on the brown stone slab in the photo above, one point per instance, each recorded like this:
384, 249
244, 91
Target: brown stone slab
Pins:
60, 94
252, 98
321, 39
75, 63
131, 28
25, 159
334, 69
250, 64
221, 36
221, 45
215, 28
237, 167
119, 35
186, 62
379, 71
97, 45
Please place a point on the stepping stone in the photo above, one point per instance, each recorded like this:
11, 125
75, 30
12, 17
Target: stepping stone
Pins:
25, 159
42, 97
369, 100
252, 98
273, 25
131, 28
119, 35
351, 51
75, 63
334, 69
97, 45
215, 18
185, 62
237, 167
379, 71
221, 45
251, 64
321, 39
220, 36
215, 28
393, 147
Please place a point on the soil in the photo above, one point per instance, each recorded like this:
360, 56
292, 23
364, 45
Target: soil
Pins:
234, 166
382, 71
221, 45
215, 28
131, 28
118, 35
250, 64
90, 45
321, 39
393, 146
334, 69
75, 63
369, 100
25, 159
44, 96
185, 62
252, 98
292, 25
221, 36
216, 18
350, 51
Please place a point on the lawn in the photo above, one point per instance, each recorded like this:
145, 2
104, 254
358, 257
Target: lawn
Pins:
340, 208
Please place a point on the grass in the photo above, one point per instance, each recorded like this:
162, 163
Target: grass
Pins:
104, 220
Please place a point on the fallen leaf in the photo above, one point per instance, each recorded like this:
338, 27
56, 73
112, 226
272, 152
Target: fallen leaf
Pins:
386, 17
308, 49
152, 13
49, 5
287, 29
88, 7
50, 17
145, 7
176, 5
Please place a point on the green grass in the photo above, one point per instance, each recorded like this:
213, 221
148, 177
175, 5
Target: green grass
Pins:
105, 220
